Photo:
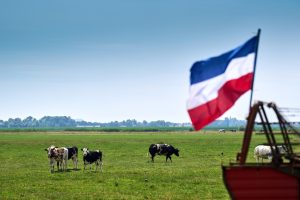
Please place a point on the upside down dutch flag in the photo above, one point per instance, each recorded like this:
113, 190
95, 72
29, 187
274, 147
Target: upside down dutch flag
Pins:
218, 82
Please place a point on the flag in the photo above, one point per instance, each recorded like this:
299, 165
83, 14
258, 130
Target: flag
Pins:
218, 82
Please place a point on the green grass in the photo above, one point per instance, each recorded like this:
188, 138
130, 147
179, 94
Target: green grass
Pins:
127, 172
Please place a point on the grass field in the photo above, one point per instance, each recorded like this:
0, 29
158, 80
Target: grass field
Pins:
127, 172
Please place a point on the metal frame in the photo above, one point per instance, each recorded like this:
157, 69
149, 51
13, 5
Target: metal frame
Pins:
259, 108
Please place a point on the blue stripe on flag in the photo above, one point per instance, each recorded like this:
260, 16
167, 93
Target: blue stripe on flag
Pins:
206, 69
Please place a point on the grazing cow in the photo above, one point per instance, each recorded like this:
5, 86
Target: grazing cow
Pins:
90, 157
73, 153
58, 154
265, 152
221, 130
162, 149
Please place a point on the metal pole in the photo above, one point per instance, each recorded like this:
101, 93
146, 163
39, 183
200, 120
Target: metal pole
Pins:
254, 68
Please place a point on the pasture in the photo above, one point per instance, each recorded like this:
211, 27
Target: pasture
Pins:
127, 172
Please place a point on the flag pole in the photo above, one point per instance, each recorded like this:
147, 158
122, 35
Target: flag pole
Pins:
254, 68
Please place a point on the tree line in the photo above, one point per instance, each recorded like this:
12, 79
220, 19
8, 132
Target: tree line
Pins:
68, 122
64, 121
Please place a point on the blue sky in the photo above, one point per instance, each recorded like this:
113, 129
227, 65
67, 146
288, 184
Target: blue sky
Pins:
124, 59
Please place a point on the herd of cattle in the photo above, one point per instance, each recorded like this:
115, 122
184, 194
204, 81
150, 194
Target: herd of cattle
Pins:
61, 155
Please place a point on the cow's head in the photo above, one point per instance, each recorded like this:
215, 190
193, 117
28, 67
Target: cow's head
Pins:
85, 151
283, 149
176, 152
51, 151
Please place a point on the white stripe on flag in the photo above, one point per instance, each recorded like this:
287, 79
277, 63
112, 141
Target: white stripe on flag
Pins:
203, 92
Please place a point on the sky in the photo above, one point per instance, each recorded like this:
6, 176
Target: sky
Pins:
115, 60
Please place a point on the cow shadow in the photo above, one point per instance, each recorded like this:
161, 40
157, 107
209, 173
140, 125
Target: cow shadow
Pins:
64, 171
78, 169
60, 172
159, 162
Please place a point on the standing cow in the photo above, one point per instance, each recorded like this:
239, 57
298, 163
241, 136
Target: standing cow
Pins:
90, 157
265, 152
59, 155
163, 149
73, 153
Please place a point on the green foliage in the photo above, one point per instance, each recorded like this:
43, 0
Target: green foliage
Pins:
129, 129
127, 172
67, 122
99, 129
30, 122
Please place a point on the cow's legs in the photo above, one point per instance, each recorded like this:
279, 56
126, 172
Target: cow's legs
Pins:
58, 166
51, 166
61, 165
87, 163
101, 163
73, 159
168, 156
152, 157
65, 164
75, 162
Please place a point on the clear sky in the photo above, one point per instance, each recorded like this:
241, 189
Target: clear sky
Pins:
123, 59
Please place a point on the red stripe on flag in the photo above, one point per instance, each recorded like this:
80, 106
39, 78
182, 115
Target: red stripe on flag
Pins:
227, 95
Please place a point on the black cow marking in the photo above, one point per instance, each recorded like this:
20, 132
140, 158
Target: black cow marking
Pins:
73, 153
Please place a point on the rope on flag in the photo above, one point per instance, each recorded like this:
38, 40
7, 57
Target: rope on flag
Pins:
218, 82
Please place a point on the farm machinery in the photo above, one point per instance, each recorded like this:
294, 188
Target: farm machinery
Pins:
276, 179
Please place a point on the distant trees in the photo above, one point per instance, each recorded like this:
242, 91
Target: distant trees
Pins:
68, 122
133, 123
63, 121
44, 122
30, 122
228, 122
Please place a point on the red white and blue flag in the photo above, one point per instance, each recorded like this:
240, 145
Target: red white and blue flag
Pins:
218, 82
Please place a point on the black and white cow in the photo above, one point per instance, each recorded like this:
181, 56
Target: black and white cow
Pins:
162, 149
90, 157
73, 153
59, 155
